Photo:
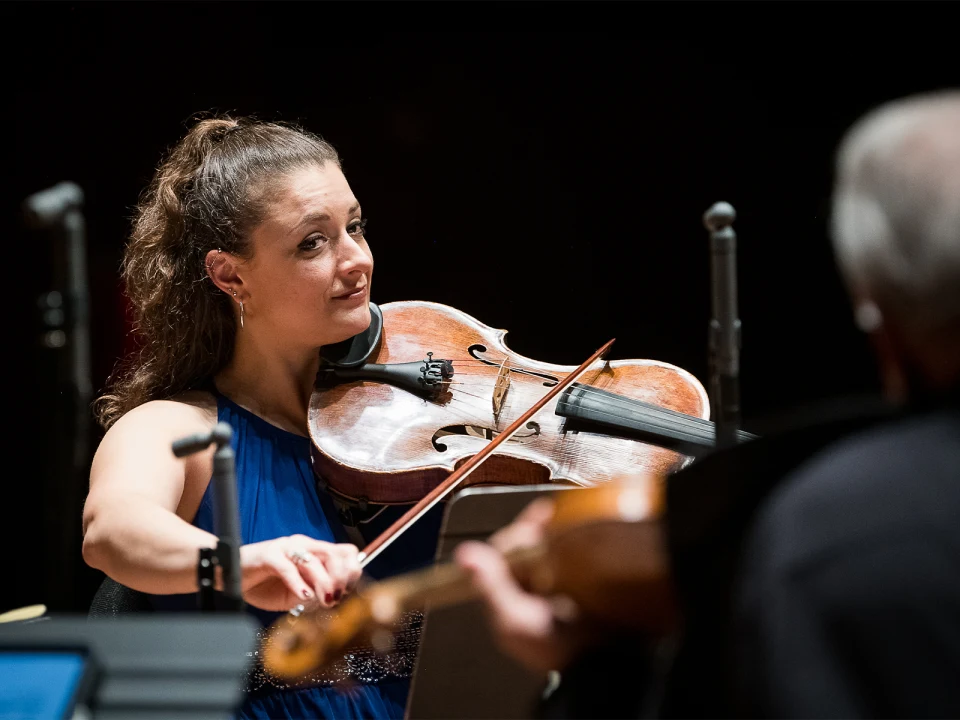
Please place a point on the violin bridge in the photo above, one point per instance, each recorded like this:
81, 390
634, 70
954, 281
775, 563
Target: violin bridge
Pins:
500, 388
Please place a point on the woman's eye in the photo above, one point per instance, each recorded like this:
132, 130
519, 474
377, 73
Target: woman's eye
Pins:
313, 242
357, 228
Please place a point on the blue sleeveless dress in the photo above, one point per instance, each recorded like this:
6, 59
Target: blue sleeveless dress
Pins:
278, 496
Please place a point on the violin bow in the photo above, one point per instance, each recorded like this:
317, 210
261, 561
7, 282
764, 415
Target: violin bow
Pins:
380, 543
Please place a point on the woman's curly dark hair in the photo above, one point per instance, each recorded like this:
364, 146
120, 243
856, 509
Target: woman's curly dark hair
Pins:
210, 191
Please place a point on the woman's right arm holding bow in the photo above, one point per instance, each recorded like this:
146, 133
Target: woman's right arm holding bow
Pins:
136, 519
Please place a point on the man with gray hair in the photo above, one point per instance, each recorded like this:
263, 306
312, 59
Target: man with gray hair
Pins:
896, 233
847, 600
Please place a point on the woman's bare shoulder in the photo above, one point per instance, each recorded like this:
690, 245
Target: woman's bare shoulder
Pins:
184, 413
135, 455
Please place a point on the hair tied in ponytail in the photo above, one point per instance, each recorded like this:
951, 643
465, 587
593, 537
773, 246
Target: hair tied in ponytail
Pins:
226, 131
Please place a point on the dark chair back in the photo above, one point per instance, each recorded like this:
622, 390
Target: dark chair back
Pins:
113, 599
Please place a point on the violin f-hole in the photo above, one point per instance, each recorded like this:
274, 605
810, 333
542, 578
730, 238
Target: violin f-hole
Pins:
480, 432
476, 349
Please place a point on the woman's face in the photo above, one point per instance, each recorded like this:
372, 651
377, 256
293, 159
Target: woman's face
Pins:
308, 280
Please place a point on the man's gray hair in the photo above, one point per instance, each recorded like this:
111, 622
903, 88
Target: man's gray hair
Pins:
896, 211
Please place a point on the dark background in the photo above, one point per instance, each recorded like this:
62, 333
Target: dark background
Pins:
545, 172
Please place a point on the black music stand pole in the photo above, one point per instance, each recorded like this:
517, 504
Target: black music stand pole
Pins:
226, 519
725, 341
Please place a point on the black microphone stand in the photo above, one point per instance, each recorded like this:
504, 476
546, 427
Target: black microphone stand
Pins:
60, 207
725, 341
226, 520
65, 318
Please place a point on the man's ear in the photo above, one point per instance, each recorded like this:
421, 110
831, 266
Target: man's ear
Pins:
222, 269
888, 349
893, 376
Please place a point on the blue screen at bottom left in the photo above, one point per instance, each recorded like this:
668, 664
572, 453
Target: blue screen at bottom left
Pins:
38, 685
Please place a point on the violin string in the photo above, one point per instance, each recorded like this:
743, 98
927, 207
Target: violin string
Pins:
487, 398
602, 450
491, 366
496, 366
606, 449
471, 400
690, 424
483, 419
694, 426
692, 432
468, 417
472, 369
464, 392
487, 386
489, 363
487, 410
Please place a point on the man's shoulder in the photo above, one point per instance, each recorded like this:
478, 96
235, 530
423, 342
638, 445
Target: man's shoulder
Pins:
898, 477
888, 450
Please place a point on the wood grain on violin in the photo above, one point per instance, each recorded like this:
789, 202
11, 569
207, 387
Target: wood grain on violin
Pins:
381, 442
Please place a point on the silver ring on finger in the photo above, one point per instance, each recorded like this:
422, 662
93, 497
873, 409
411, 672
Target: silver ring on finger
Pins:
298, 556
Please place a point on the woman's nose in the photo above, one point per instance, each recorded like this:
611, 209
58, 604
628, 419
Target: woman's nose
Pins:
354, 256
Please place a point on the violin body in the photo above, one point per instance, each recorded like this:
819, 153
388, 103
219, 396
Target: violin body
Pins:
378, 442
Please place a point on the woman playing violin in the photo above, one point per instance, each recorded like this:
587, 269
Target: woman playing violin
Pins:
247, 255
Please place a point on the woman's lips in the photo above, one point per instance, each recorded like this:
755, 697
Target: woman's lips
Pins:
354, 295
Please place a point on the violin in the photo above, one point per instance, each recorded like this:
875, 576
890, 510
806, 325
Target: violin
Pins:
604, 556
388, 429
435, 386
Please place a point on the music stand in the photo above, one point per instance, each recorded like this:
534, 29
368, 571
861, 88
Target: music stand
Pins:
169, 666
459, 672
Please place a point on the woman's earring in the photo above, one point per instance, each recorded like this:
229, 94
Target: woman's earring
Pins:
241, 308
